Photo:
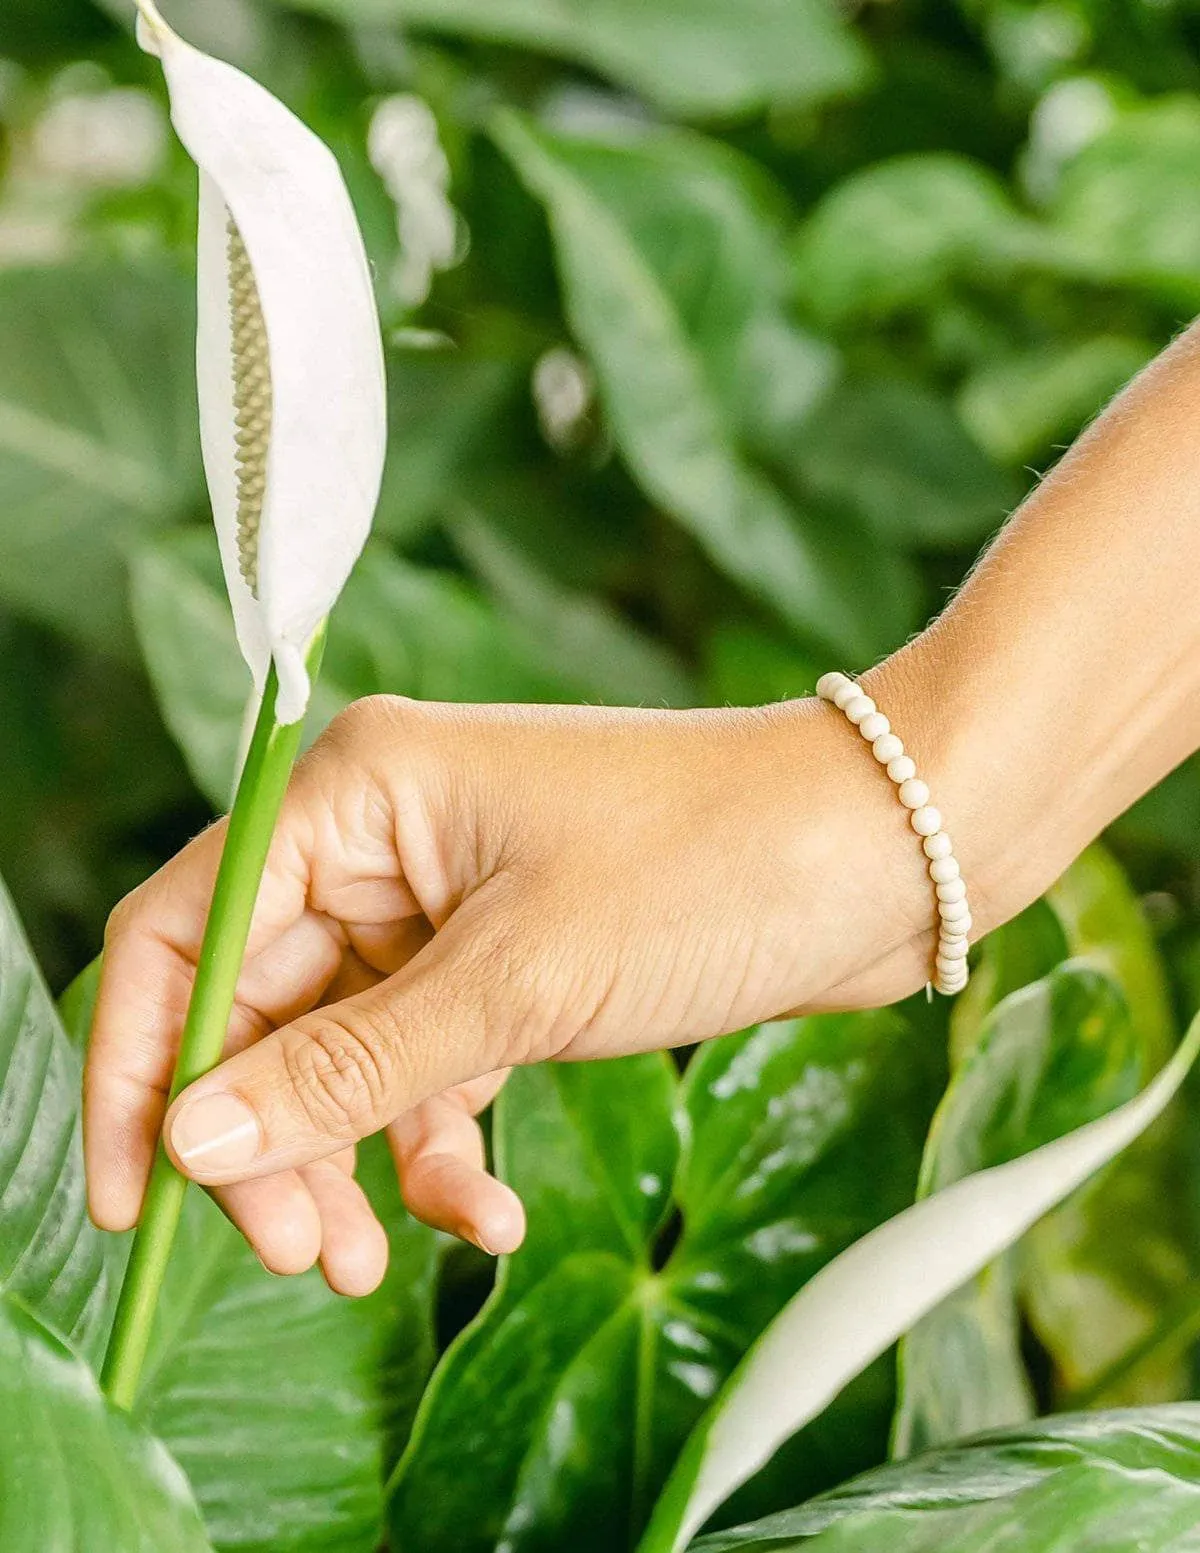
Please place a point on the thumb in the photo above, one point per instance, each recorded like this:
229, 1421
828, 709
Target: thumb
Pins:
345, 1071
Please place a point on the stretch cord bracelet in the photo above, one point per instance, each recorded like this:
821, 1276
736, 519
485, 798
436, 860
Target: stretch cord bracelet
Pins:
950, 967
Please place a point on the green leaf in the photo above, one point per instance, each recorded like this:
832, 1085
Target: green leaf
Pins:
1050, 1057
671, 270
50, 1255
1108, 1482
445, 413
1097, 1274
895, 235
269, 1392
667, 1224
589, 642
98, 441
1018, 407
708, 59
398, 629
76, 1472
860, 1303
899, 456
1126, 211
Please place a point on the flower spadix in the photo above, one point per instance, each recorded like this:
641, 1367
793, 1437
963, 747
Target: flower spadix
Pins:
289, 363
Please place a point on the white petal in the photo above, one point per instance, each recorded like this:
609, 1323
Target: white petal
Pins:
286, 194
856, 1307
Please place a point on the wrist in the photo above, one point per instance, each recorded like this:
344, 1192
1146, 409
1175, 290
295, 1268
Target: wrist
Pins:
991, 759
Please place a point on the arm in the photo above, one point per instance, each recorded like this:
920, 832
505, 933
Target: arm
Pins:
453, 890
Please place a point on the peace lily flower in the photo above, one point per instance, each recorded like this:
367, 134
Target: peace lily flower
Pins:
289, 363
289, 366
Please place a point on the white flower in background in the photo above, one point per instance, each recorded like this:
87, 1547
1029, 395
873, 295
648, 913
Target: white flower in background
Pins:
109, 138
562, 396
289, 362
1065, 121
403, 145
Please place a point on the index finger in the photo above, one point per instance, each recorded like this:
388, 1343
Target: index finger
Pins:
150, 954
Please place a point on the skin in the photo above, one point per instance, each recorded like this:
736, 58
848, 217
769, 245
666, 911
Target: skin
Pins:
456, 890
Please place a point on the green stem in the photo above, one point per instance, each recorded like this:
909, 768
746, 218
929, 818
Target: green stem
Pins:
252, 820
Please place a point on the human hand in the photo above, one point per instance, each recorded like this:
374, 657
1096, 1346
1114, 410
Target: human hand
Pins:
455, 890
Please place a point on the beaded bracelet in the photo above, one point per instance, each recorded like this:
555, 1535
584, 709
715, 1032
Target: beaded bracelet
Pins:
950, 967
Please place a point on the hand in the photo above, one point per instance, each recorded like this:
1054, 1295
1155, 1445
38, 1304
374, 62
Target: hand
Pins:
454, 890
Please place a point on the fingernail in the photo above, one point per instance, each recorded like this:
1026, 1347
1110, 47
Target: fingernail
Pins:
483, 1245
216, 1132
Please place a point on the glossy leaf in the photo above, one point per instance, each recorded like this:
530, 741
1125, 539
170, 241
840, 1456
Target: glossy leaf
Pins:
1095, 1274
76, 1472
1109, 1482
98, 440
1051, 1057
50, 1255
271, 1393
709, 59
668, 1223
861, 1302
672, 285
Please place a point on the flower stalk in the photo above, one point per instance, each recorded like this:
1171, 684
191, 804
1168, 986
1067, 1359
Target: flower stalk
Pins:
252, 819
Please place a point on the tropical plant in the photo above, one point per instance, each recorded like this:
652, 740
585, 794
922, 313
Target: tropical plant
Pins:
719, 338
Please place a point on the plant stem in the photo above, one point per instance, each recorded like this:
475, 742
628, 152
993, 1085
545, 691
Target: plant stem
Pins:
256, 806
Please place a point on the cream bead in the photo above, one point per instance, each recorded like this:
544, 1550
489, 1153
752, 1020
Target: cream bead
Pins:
902, 768
953, 949
948, 986
874, 726
829, 684
953, 911
845, 693
913, 794
952, 890
926, 821
956, 927
938, 845
943, 869
887, 747
858, 707
948, 970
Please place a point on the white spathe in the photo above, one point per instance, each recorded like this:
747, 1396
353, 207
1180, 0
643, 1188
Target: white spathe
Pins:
285, 193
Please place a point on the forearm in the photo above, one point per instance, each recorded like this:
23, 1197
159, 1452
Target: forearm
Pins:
1064, 679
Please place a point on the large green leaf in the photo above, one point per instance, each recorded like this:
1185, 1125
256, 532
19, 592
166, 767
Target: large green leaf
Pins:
667, 1225
1051, 1057
98, 440
671, 269
895, 235
1096, 1274
76, 1472
398, 628
1108, 1482
900, 457
270, 1392
1124, 211
703, 59
50, 1255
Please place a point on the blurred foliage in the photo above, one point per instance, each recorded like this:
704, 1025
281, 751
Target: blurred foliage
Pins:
720, 339
720, 336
